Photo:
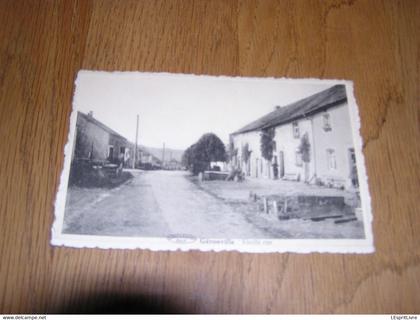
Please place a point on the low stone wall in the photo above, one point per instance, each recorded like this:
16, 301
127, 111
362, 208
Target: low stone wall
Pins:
302, 206
214, 175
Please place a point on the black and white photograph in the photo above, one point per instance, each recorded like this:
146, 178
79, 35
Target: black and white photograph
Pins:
171, 161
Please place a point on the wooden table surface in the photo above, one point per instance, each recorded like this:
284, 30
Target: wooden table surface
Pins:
44, 43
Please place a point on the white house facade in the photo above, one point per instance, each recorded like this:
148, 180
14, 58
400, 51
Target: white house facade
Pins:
323, 121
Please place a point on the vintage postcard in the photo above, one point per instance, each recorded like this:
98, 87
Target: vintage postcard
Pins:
184, 162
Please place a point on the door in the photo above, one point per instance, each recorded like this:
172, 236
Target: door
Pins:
111, 153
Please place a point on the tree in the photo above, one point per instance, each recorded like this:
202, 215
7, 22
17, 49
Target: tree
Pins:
267, 143
192, 160
305, 148
267, 146
187, 157
305, 151
207, 149
245, 155
231, 151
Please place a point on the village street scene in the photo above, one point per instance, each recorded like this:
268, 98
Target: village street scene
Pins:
289, 173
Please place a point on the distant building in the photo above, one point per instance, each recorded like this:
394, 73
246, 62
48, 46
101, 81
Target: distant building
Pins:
323, 121
96, 141
173, 164
99, 143
148, 161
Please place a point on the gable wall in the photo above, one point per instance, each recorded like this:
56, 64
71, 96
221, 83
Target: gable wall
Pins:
90, 138
339, 139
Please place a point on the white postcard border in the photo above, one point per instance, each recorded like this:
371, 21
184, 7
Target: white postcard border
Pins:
208, 244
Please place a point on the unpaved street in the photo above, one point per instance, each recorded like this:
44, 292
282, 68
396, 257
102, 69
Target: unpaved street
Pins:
188, 209
154, 203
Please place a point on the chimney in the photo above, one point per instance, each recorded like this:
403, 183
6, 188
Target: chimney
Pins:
90, 114
277, 108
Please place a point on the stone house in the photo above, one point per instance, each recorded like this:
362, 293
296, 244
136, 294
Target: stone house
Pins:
321, 122
97, 142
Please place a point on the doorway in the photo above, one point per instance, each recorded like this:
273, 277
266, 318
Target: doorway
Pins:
111, 153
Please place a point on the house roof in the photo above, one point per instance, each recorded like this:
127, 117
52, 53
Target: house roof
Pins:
99, 124
299, 109
110, 131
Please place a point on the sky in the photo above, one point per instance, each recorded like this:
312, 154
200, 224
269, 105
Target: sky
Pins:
178, 109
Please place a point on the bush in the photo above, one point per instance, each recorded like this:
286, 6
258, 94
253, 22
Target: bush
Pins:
305, 148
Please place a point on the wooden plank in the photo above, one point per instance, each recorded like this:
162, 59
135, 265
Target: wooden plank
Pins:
339, 221
321, 218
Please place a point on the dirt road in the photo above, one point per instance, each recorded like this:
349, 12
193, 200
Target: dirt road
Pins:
154, 203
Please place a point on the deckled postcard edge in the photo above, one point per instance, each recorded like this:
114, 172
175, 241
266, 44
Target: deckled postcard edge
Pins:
216, 245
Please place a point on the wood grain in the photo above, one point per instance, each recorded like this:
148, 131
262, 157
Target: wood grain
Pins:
44, 43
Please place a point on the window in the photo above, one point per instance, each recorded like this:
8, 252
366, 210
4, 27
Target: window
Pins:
331, 160
122, 150
274, 146
298, 157
326, 122
295, 126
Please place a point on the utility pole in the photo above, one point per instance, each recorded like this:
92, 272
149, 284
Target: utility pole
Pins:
135, 147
